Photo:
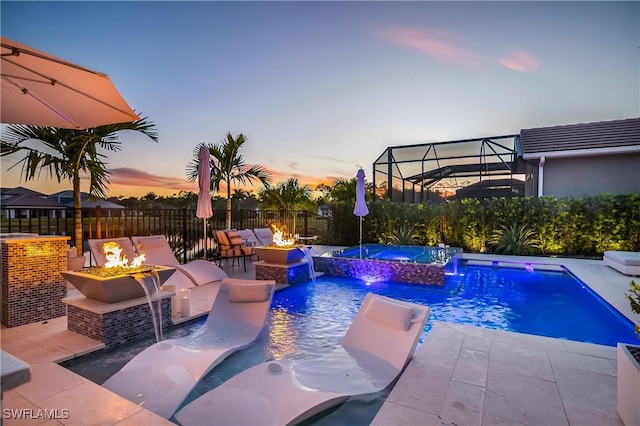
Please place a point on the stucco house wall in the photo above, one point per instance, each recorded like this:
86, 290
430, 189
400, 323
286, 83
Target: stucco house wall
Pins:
589, 176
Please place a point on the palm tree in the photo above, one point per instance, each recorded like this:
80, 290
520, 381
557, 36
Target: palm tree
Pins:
343, 189
287, 195
228, 166
67, 153
239, 195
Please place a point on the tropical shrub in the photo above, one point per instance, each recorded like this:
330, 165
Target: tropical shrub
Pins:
402, 235
634, 299
515, 239
562, 226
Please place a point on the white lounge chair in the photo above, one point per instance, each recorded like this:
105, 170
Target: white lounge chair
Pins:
249, 237
376, 348
158, 252
626, 262
264, 235
161, 376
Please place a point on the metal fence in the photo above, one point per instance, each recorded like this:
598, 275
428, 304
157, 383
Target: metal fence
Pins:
185, 232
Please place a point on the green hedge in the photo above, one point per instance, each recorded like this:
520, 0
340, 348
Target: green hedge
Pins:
565, 226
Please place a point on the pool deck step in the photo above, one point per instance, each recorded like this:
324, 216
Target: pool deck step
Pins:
531, 266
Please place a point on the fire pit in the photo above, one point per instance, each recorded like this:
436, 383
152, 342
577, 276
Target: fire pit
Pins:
283, 251
107, 287
116, 280
279, 255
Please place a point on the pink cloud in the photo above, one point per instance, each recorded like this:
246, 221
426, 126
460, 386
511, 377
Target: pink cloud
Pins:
519, 61
125, 176
132, 182
442, 46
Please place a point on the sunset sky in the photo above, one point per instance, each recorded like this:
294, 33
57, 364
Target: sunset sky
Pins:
322, 88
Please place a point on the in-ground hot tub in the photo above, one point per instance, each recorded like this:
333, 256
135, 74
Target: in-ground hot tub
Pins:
111, 289
378, 262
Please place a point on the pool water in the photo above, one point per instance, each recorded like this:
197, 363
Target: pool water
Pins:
308, 320
546, 303
402, 254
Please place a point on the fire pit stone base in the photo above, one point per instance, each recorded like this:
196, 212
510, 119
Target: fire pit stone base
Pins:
292, 273
115, 323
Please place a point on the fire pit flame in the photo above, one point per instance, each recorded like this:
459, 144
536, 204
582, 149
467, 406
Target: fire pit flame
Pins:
280, 241
113, 253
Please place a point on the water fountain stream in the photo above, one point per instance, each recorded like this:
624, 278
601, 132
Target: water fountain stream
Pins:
307, 256
150, 282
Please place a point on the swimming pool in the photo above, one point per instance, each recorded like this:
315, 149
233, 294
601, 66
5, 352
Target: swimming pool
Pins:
310, 319
551, 303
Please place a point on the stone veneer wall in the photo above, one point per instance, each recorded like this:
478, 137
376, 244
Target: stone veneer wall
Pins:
374, 271
32, 287
117, 327
283, 274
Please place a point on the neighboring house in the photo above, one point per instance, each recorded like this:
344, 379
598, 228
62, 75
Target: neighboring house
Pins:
24, 203
21, 202
585, 159
66, 198
324, 211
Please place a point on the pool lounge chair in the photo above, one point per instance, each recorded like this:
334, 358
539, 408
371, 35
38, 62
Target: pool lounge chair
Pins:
161, 376
626, 262
249, 237
264, 235
376, 348
158, 252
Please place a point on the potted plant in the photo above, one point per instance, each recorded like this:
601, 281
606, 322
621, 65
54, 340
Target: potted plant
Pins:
629, 369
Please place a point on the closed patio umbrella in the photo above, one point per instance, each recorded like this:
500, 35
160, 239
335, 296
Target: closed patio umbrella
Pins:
360, 208
43, 90
203, 211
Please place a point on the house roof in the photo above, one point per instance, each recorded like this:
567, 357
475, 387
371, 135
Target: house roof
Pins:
20, 190
20, 197
67, 193
99, 203
86, 204
598, 138
31, 202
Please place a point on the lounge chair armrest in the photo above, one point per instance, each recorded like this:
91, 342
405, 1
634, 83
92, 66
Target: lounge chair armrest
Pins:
421, 316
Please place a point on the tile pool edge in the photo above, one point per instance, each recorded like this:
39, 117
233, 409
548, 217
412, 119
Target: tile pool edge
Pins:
375, 271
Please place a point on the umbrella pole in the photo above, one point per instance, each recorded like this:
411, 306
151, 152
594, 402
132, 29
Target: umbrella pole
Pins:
206, 246
360, 237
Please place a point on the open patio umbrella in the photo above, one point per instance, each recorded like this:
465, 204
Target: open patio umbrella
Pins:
360, 209
43, 90
203, 211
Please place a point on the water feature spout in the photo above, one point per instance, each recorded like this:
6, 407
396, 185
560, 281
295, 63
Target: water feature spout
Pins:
150, 282
307, 256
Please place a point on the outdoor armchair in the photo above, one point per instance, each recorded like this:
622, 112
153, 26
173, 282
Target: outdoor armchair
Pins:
231, 246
